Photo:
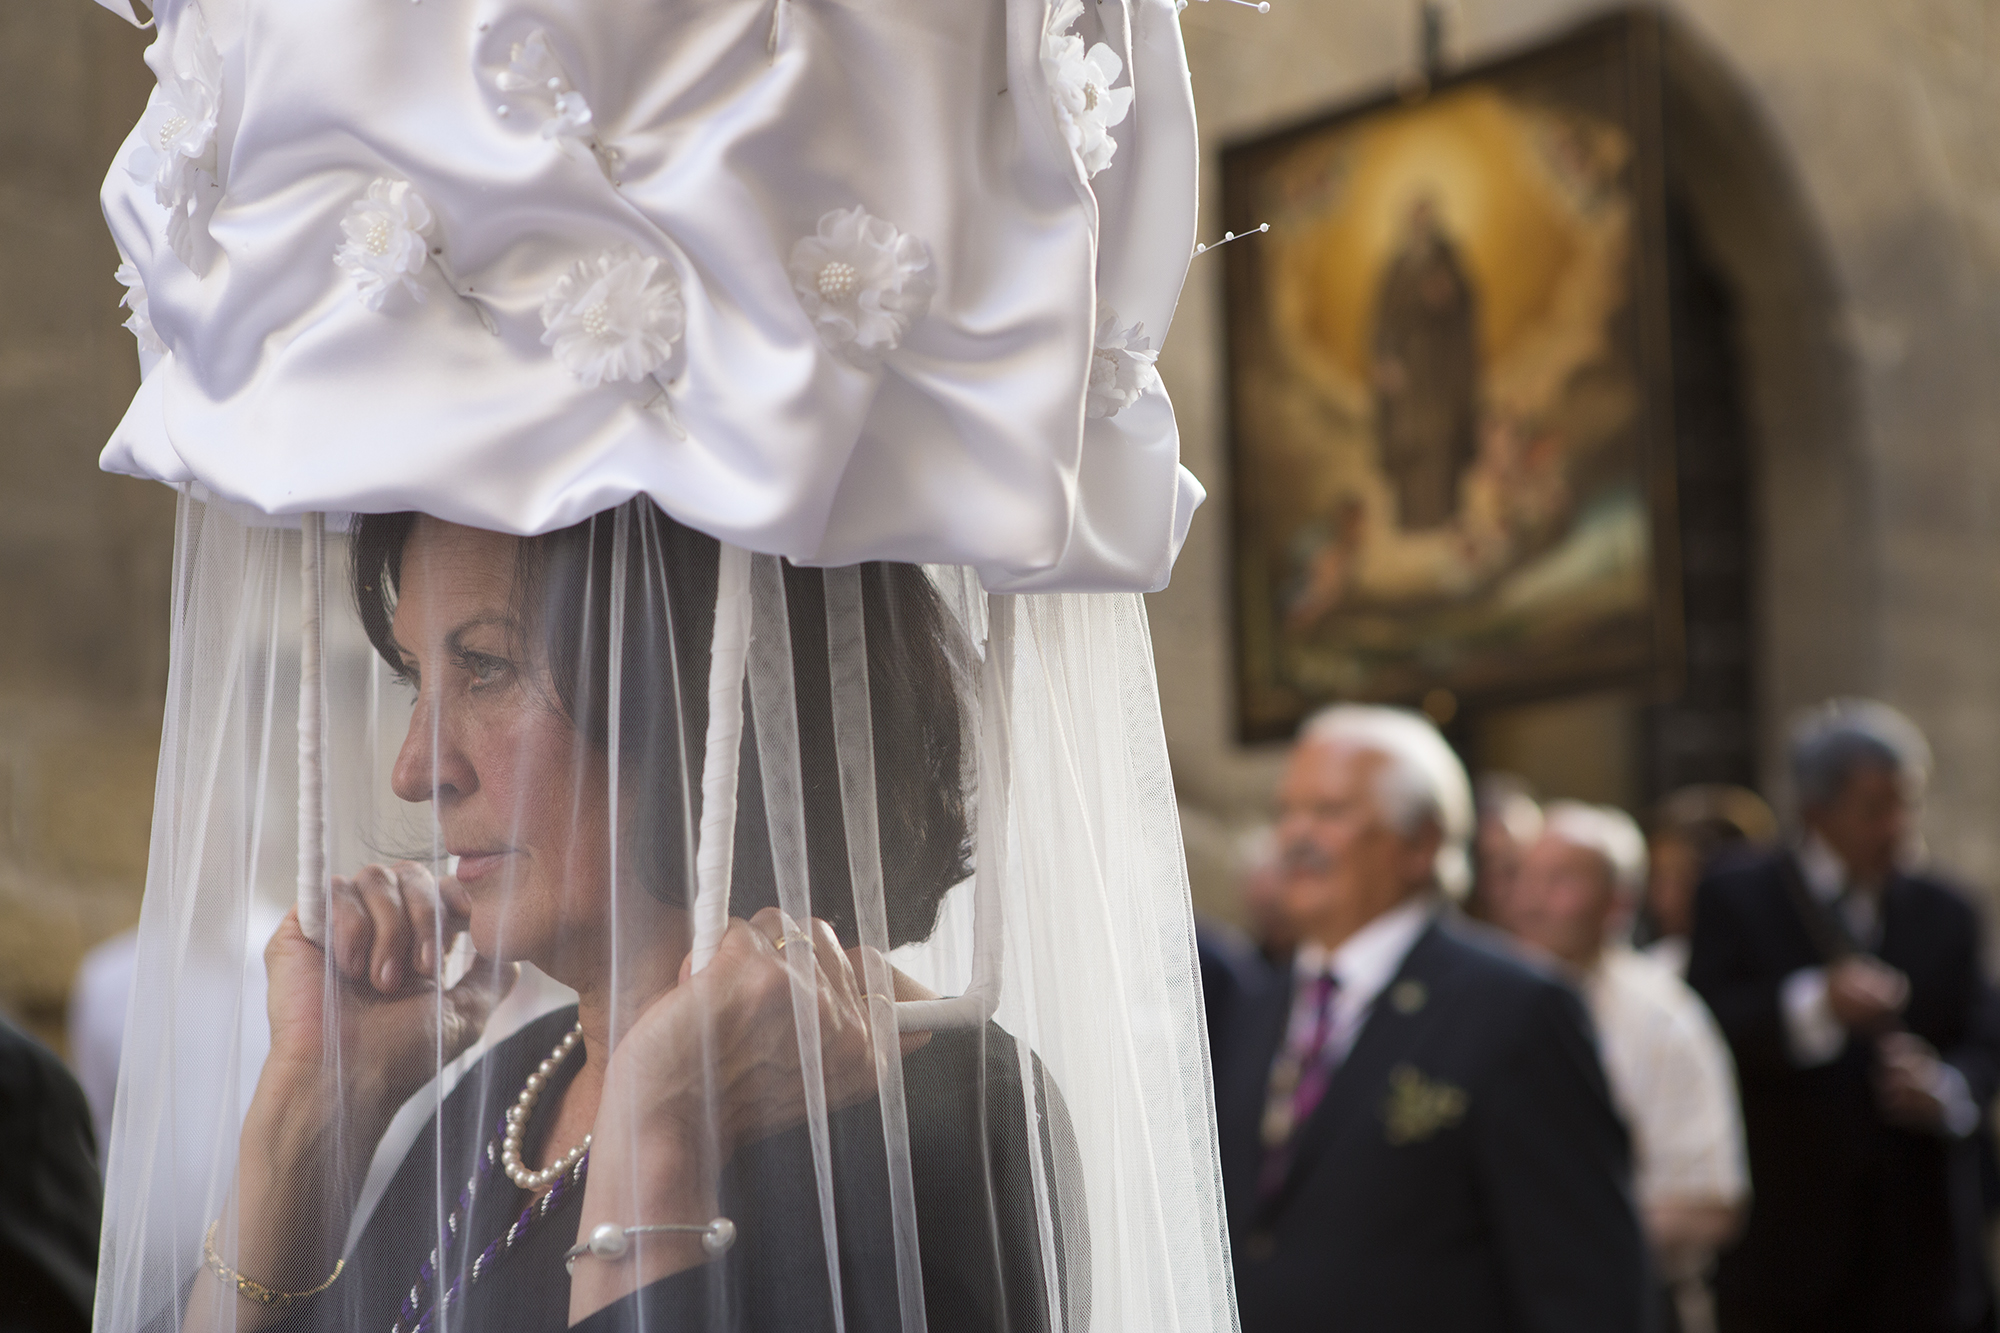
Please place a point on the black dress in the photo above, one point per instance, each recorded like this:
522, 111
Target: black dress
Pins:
974, 1178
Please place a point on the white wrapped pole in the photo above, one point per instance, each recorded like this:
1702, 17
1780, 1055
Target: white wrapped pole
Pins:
854, 744
312, 729
715, 852
774, 706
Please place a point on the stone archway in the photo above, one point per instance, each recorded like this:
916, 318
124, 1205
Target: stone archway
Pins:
1814, 590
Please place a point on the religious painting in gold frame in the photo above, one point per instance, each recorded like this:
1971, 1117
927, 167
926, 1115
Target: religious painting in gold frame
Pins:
1451, 453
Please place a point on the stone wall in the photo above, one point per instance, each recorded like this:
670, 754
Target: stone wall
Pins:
1854, 203
85, 559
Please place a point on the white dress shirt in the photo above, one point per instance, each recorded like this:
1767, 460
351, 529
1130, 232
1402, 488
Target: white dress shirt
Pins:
1672, 1080
1362, 967
1671, 952
1812, 1033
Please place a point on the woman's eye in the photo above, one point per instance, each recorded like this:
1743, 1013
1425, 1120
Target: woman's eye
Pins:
484, 668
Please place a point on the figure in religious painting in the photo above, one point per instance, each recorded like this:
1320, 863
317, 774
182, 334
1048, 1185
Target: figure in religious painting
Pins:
1426, 371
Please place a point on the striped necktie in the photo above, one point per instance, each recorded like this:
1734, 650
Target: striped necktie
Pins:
1298, 1079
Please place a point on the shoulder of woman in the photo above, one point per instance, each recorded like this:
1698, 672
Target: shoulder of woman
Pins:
958, 1062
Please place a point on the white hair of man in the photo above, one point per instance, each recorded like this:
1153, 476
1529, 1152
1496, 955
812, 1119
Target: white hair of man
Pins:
1421, 783
1609, 832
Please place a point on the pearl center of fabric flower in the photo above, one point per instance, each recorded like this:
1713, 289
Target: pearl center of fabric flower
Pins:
596, 321
377, 239
172, 129
836, 281
1090, 97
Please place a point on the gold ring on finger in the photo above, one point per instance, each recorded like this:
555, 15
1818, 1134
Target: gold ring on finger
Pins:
791, 939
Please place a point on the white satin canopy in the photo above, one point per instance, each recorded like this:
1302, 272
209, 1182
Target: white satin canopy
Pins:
949, 417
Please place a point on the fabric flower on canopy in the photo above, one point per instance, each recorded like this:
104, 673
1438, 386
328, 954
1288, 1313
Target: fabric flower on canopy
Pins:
141, 323
535, 73
615, 317
174, 150
1121, 368
534, 70
1087, 106
572, 118
386, 243
862, 281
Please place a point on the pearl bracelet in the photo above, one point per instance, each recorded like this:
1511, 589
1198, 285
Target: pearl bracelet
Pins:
611, 1241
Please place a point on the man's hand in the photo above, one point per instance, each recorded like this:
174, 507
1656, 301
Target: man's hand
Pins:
1866, 994
1908, 1081
1686, 1233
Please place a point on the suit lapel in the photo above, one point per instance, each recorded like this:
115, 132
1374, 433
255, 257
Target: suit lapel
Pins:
1384, 1038
1240, 1103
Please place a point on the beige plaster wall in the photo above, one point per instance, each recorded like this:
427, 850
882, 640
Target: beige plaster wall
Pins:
85, 559
1871, 330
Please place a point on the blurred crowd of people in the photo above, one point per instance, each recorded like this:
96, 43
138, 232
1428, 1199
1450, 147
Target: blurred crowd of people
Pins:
1488, 1061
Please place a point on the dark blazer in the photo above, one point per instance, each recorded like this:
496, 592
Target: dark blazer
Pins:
1854, 1224
1464, 1171
50, 1194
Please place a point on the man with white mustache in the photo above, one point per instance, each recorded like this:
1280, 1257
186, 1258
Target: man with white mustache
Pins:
1416, 1132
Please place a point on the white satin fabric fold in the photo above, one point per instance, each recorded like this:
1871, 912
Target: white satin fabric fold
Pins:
967, 444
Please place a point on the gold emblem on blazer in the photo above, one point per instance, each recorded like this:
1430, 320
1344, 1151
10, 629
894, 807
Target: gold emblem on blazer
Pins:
1419, 1106
1408, 996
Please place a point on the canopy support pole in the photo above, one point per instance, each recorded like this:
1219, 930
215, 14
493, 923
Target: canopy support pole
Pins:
312, 729
715, 854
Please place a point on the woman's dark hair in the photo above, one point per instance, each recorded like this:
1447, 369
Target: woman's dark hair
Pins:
563, 594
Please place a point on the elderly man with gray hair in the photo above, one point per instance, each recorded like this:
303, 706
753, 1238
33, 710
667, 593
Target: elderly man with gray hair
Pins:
1671, 1076
1416, 1132
1851, 990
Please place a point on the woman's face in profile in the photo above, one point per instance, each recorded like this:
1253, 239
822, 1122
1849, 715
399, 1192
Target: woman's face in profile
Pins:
519, 800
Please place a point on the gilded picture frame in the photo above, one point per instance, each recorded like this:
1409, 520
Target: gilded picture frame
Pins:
1451, 452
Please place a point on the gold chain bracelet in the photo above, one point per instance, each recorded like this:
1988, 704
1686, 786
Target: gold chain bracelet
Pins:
249, 1287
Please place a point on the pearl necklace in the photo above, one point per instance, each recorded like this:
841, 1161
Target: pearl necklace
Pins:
517, 1123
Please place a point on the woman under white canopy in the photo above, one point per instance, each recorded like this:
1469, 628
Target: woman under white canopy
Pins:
664, 497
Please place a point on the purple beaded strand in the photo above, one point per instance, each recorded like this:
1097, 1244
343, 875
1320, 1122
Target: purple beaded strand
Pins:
499, 1245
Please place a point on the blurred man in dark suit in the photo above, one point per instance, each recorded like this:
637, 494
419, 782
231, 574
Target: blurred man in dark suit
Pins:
1867, 1046
50, 1194
1416, 1133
